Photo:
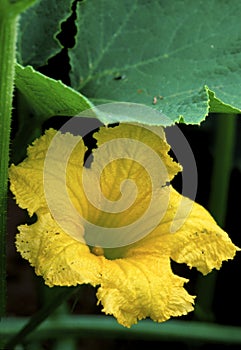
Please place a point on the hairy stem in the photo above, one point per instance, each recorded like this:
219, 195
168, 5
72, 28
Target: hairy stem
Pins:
8, 30
8, 34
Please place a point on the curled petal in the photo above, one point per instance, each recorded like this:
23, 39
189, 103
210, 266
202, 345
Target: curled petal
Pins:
198, 241
60, 259
27, 178
143, 286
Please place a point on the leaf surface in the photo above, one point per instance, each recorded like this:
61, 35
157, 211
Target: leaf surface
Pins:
38, 28
49, 97
180, 57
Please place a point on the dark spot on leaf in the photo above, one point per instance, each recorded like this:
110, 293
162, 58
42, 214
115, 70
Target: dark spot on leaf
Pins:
120, 77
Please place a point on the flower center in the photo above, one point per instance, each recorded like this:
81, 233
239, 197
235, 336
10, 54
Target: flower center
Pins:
108, 253
97, 250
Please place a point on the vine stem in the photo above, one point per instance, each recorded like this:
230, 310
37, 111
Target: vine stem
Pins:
224, 142
8, 25
222, 167
8, 35
60, 294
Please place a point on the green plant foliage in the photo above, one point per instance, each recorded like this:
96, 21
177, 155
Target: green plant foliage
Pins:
37, 32
48, 97
171, 55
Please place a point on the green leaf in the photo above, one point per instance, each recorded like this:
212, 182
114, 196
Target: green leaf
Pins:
39, 98
38, 28
49, 97
180, 57
218, 106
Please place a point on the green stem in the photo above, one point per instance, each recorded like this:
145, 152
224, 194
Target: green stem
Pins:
99, 327
223, 161
222, 167
8, 35
60, 294
68, 342
8, 30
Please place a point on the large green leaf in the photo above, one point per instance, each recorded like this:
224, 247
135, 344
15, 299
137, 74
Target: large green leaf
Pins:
180, 57
41, 98
37, 32
49, 97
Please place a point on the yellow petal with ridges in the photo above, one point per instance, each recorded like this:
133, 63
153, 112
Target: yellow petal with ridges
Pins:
28, 177
131, 164
26, 183
60, 259
151, 136
199, 242
142, 286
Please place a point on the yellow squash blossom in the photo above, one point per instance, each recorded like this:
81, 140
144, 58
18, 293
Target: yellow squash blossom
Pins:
134, 281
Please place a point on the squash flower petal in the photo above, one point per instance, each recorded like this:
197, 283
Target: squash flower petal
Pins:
134, 280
